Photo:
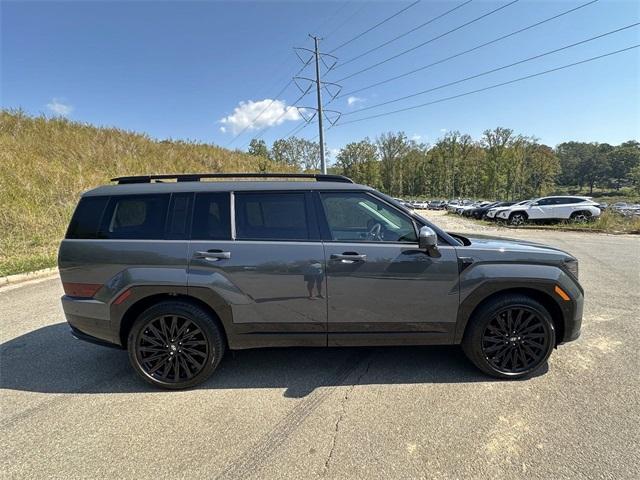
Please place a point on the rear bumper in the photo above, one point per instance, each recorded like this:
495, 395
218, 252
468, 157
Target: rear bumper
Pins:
89, 320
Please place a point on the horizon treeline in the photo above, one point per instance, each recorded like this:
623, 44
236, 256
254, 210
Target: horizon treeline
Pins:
499, 165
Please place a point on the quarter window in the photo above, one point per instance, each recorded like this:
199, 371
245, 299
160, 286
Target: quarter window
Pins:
86, 219
135, 217
353, 216
271, 216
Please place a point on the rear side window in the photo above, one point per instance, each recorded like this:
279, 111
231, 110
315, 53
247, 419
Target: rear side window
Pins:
271, 216
135, 217
211, 217
86, 219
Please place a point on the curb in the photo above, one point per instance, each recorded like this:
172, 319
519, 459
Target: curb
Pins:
25, 277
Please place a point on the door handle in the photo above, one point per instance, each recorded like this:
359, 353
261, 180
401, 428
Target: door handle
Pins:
213, 255
348, 257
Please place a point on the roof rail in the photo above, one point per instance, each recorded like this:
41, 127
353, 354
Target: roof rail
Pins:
196, 177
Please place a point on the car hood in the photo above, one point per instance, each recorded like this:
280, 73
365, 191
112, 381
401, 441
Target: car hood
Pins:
491, 247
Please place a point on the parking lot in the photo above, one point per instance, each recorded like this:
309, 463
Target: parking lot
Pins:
75, 410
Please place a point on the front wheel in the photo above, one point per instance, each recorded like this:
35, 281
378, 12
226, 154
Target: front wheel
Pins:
517, 219
510, 337
175, 345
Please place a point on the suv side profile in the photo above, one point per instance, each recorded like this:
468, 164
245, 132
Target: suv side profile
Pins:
178, 272
578, 209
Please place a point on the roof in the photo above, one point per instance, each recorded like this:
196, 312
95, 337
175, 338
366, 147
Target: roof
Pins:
221, 186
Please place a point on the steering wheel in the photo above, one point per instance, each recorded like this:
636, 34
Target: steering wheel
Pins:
375, 232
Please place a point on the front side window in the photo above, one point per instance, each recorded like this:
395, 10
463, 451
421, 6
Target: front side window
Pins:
135, 217
271, 216
355, 216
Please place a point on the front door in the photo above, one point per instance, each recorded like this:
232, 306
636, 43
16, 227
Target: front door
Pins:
271, 274
383, 289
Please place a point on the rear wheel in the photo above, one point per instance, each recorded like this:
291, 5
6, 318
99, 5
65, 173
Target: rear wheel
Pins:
580, 217
510, 337
175, 345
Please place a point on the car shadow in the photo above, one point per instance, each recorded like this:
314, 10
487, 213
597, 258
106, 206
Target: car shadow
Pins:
50, 360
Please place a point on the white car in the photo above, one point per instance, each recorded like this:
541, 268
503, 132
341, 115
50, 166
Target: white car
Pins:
551, 208
492, 212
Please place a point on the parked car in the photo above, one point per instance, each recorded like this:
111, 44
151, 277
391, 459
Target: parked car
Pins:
437, 205
578, 209
479, 210
492, 212
179, 272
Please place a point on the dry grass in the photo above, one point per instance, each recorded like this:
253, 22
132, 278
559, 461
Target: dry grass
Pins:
45, 164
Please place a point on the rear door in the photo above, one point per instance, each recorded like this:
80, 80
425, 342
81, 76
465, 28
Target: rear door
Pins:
382, 289
261, 255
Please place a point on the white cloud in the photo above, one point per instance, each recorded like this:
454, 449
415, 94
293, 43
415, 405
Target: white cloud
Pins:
333, 152
416, 137
444, 130
257, 115
352, 100
59, 107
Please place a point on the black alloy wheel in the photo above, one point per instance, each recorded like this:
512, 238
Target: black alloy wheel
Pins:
509, 336
172, 349
175, 345
515, 340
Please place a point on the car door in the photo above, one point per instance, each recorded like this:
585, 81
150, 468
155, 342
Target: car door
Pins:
381, 288
260, 263
542, 209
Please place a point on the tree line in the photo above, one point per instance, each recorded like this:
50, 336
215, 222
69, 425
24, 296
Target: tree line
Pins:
500, 164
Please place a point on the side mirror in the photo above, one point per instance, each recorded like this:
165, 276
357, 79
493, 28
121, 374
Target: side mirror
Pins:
428, 240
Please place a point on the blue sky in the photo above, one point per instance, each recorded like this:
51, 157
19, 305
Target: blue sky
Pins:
190, 70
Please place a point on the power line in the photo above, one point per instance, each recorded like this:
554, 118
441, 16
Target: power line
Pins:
284, 112
273, 100
404, 52
493, 70
516, 32
490, 87
384, 44
347, 20
331, 17
375, 26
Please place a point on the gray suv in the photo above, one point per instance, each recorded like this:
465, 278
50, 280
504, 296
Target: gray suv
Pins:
178, 270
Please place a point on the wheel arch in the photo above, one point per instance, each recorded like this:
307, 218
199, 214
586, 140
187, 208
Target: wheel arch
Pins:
135, 309
467, 311
523, 212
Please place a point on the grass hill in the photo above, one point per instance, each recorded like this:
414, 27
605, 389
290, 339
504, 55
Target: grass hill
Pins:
46, 163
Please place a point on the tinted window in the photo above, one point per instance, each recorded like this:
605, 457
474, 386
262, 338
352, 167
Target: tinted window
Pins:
276, 216
355, 216
179, 215
135, 217
211, 217
547, 201
86, 218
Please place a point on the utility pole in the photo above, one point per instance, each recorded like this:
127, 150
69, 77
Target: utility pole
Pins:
323, 165
318, 58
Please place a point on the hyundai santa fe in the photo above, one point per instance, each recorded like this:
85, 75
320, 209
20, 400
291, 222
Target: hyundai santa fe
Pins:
178, 269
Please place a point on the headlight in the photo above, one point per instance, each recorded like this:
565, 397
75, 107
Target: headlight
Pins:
572, 267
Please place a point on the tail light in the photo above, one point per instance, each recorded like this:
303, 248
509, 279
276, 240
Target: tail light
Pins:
85, 290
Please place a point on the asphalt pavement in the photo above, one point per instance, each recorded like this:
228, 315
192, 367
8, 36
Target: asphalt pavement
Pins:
75, 410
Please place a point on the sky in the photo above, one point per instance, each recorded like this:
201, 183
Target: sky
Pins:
207, 71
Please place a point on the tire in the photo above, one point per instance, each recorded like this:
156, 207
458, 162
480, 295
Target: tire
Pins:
517, 219
580, 217
173, 365
522, 353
